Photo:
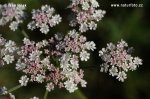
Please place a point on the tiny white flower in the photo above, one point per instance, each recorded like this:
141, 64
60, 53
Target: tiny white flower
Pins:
45, 61
90, 45
94, 3
104, 67
24, 80
122, 44
35, 55
8, 59
98, 15
74, 62
85, 6
14, 25
111, 46
92, 25
113, 71
83, 83
10, 46
70, 86
44, 28
40, 78
56, 19
31, 25
20, 65
132, 66
26, 41
82, 38
137, 61
101, 53
50, 87
44, 42
84, 55
122, 76
83, 27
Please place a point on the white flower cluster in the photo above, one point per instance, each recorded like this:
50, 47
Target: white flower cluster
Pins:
40, 61
76, 49
70, 66
86, 14
7, 51
44, 18
77, 43
40, 69
13, 13
118, 60
30, 61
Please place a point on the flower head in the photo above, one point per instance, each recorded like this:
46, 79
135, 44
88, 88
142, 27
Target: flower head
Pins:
118, 61
44, 18
37, 61
8, 50
13, 13
86, 14
55, 61
76, 48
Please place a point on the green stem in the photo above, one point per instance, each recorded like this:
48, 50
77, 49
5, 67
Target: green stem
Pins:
14, 88
45, 95
25, 34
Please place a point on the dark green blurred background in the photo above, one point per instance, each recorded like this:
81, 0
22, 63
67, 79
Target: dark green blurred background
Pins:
130, 24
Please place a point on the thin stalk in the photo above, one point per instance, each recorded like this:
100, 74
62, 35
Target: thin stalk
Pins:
14, 88
25, 34
45, 95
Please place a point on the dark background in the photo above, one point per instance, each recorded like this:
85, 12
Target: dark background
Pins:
130, 24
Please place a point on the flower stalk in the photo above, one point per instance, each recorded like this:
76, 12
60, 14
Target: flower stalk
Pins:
25, 34
14, 88
45, 95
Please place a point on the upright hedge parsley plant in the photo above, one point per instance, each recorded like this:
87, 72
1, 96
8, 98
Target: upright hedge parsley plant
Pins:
55, 61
